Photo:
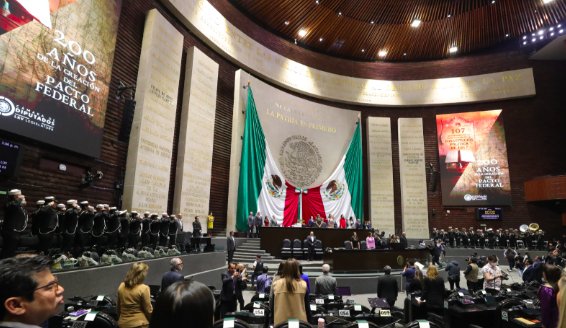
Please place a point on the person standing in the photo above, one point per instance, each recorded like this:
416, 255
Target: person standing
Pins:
232, 286
325, 284
433, 291
145, 229
164, 229
135, 230
342, 224
113, 228
290, 296
173, 275
263, 280
273, 222
547, 295
98, 228
133, 303
409, 274
311, 239
124, 229
370, 241
492, 275
85, 224
70, 227
257, 223
231, 246
471, 275
305, 277
387, 287
510, 255
154, 228
403, 240
435, 252
47, 224
15, 222
210, 220
453, 269
197, 228
330, 221
251, 225
173, 230
258, 268
34, 220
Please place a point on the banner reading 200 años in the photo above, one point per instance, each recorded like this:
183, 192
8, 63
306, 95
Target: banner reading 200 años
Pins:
54, 83
473, 159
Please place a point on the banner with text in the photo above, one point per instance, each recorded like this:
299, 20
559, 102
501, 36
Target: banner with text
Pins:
146, 186
414, 203
54, 83
196, 139
474, 169
380, 164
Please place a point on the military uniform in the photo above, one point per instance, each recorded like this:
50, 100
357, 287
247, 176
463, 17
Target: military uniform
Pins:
99, 227
135, 229
113, 228
124, 229
173, 230
164, 230
145, 230
69, 229
15, 222
86, 222
154, 230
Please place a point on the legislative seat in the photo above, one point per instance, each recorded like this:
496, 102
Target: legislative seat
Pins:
237, 323
363, 245
318, 251
297, 249
286, 250
302, 324
347, 244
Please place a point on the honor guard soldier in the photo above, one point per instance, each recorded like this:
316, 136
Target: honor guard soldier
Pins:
499, 238
465, 238
113, 228
457, 237
481, 238
61, 208
451, 236
434, 234
69, 229
145, 230
99, 228
135, 230
15, 222
513, 238
86, 222
164, 229
473, 238
124, 229
197, 229
173, 230
35, 222
47, 224
257, 223
154, 229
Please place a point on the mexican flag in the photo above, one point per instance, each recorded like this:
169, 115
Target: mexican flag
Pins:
262, 187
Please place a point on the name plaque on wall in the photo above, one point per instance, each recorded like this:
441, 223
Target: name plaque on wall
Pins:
196, 139
214, 29
414, 205
380, 164
146, 186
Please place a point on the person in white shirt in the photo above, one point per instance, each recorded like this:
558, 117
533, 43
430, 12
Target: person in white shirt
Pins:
492, 275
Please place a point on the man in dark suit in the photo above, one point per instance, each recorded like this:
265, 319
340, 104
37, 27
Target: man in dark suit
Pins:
257, 223
231, 246
15, 222
537, 267
529, 273
310, 244
197, 229
251, 225
173, 275
387, 287
404, 240
232, 286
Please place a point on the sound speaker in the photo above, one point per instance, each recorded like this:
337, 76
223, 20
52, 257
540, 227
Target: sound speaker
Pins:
127, 120
433, 180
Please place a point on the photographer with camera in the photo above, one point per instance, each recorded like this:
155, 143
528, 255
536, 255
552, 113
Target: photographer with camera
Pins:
492, 275
453, 269
435, 252
471, 275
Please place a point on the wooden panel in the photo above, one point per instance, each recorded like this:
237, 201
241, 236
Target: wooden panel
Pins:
372, 260
547, 188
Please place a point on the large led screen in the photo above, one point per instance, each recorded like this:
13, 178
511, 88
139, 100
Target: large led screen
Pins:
54, 82
474, 170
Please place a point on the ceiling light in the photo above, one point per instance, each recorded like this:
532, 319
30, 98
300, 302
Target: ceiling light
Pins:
320, 39
316, 2
561, 31
453, 49
405, 54
493, 1
371, 22
416, 23
541, 32
382, 53
363, 50
286, 22
541, 37
449, 15
552, 34
302, 33
506, 35
533, 40
559, 25
524, 37
525, 42
547, 1
552, 28
340, 14
533, 34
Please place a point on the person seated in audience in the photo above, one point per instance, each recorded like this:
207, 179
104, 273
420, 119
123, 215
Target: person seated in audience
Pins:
342, 224
305, 277
325, 284
519, 264
263, 281
133, 304
370, 241
187, 304
387, 287
173, 275
547, 295
433, 291
417, 282
290, 296
354, 241
29, 293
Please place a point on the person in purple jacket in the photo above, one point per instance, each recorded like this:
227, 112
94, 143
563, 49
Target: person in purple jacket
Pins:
547, 296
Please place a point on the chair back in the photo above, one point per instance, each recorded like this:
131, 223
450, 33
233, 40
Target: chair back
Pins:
318, 244
302, 324
347, 244
286, 243
415, 324
297, 244
363, 245
237, 323
355, 325
257, 298
101, 320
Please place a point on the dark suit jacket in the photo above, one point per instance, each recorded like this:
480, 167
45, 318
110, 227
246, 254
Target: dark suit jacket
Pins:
433, 292
227, 294
529, 274
230, 244
387, 287
169, 278
537, 274
309, 241
404, 242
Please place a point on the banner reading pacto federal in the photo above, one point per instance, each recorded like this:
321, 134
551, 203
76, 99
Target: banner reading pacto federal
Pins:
55, 65
474, 169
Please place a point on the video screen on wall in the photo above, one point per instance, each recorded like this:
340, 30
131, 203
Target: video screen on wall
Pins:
489, 213
56, 60
474, 170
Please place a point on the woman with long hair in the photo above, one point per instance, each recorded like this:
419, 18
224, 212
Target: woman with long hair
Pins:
417, 282
561, 301
186, 304
354, 241
547, 294
290, 295
134, 303
276, 277
370, 241
433, 290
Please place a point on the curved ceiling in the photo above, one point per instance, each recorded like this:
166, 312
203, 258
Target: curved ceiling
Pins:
361, 29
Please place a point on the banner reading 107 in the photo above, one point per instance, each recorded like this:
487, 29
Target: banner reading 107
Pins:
56, 60
474, 169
